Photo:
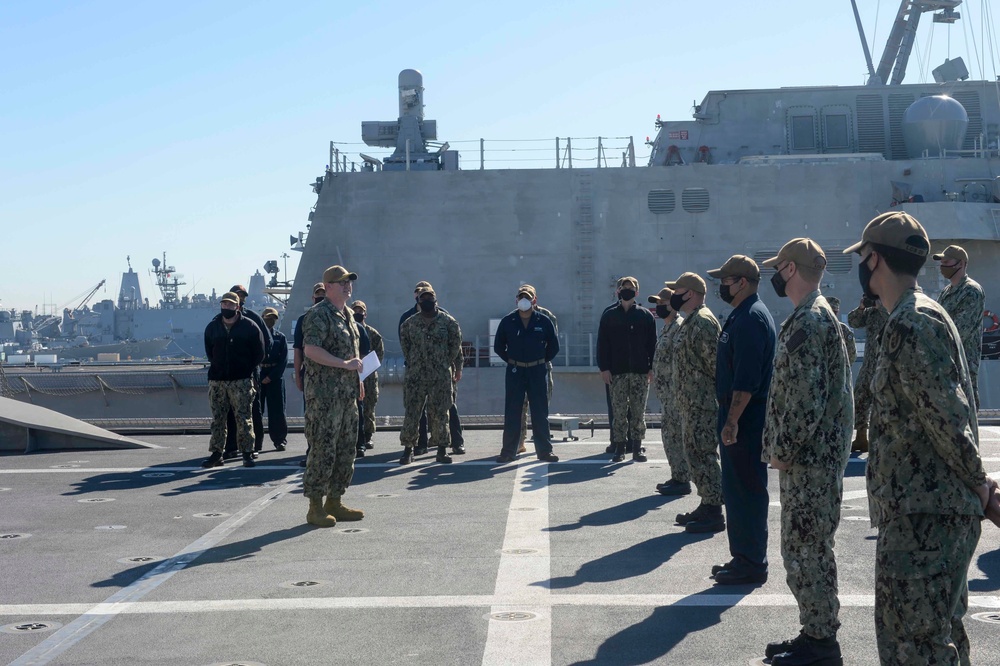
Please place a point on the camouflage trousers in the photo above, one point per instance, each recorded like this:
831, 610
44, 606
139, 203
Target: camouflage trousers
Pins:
701, 445
628, 405
238, 395
863, 395
524, 410
921, 593
435, 395
371, 399
810, 513
670, 435
332, 436
974, 376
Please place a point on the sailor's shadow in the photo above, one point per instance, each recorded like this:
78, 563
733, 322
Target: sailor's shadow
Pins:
989, 564
227, 552
652, 639
614, 515
636, 560
225, 478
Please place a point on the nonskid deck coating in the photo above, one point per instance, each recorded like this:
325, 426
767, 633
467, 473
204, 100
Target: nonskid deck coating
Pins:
472, 563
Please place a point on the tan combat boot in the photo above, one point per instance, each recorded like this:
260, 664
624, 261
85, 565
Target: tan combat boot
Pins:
860, 443
341, 512
318, 515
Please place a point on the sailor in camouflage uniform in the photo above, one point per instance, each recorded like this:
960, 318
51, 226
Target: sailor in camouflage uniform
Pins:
697, 405
371, 381
845, 330
964, 301
665, 384
807, 436
871, 316
333, 389
432, 349
926, 485
549, 383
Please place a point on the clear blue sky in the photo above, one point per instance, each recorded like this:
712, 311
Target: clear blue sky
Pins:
194, 128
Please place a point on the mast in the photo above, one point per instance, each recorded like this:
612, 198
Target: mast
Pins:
904, 29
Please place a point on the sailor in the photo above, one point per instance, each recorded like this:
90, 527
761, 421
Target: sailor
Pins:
964, 301
371, 381
526, 341
871, 316
364, 348
432, 350
807, 437
333, 389
626, 345
697, 406
744, 358
454, 423
234, 346
665, 384
846, 331
548, 376
926, 485
258, 418
272, 381
298, 354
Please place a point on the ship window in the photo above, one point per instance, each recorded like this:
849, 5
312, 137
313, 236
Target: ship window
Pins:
803, 133
694, 199
836, 131
661, 202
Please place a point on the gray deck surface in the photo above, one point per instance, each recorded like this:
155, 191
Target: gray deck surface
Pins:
585, 550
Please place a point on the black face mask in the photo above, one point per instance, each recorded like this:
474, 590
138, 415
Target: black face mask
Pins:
726, 293
865, 278
228, 314
626, 294
663, 311
677, 302
779, 283
358, 317
318, 299
427, 305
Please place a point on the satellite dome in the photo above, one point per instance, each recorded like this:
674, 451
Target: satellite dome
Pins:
934, 124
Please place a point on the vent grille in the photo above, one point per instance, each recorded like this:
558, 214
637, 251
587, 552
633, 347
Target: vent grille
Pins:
763, 255
838, 263
694, 199
970, 100
898, 104
661, 202
871, 124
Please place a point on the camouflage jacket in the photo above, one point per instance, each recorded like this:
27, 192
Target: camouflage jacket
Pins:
663, 362
432, 347
848, 334
810, 408
336, 332
378, 346
924, 455
965, 304
696, 347
873, 321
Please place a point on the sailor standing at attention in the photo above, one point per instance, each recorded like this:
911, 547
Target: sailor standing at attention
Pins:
298, 353
526, 341
871, 316
665, 383
926, 485
807, 438
371, 381
964, 301
333, 388
549, 383
258, 418
272, 382
234, 347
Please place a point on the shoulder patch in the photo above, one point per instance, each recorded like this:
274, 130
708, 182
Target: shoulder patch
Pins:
797, 339
894, 341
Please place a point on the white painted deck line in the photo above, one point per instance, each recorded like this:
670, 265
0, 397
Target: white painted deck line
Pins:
523, 579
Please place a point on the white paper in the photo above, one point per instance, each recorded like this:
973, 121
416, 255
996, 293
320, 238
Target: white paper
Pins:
369, 365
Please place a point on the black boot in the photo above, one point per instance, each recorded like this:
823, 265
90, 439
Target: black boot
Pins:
407, 456
638, 452
214, 460
360, 452
711, 520
619, 452
248, 459
442, 456
808, 651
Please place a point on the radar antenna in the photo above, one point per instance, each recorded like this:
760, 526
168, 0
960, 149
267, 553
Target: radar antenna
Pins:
167, 280
900, 43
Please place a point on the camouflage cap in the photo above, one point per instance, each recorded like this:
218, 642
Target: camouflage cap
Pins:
738, 265
628, 279
898, 230
662, 298
359, 304
269, 313
954, 252
230, 297
803, 252
834, 302
338, 273
239, 289
426, 290
420, 285
527, 290
691, 281
319, 288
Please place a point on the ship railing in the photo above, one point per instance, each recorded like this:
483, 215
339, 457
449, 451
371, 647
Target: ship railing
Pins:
576, 350
558, 153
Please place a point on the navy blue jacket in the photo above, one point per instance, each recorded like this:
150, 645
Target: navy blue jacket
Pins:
745, 358
626, 340
535, 342
276, 359
235, 352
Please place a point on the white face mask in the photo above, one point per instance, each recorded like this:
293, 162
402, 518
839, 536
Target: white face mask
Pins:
524, 305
